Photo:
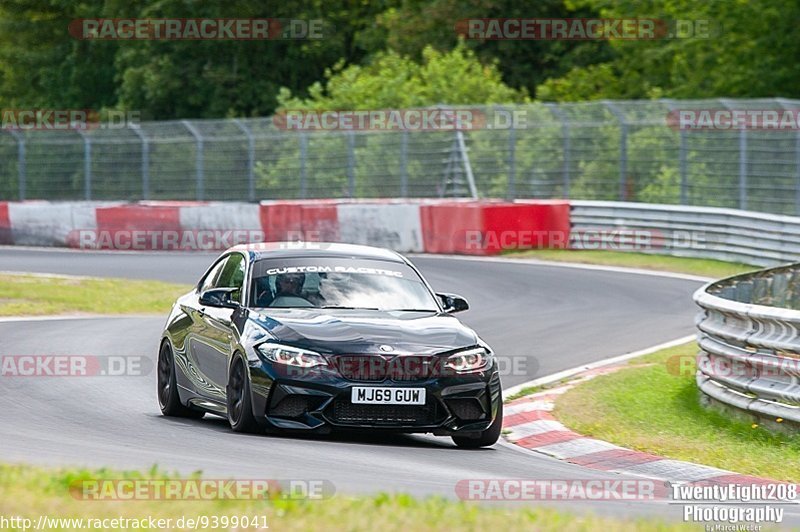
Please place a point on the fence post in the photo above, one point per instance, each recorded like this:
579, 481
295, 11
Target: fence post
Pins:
743, 168
21, 170
87, 165
683, 162
567, 159
512, 163
145, 160
201, 186
797, 173
792, 105
566, 147
404, 164
462, 147
251, 159
303, 156
623, 149
351, 164
742, 158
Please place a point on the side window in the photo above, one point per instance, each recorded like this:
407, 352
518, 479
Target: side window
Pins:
232, 275
208, 282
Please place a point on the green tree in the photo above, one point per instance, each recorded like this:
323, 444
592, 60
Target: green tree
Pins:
417, 24
391, 80
207, 79
41, 65
751, 51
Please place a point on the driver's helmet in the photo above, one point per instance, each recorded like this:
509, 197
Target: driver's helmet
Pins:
289, 283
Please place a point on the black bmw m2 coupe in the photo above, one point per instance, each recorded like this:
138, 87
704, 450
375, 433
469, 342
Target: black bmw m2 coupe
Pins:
325, 337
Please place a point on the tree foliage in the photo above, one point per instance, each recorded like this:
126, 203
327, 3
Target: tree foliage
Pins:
751, 51
395, 81
375, 54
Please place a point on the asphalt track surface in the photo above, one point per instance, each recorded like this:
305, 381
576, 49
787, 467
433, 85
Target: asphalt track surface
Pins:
554, 318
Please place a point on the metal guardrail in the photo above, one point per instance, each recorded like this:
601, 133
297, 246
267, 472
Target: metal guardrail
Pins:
749, 336
702, 232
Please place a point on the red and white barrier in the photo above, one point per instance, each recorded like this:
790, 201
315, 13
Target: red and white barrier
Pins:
387, 225
42, 223
487, 228
5, 225
300, 220
429, 226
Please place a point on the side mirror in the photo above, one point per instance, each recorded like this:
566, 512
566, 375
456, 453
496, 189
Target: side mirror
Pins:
453, 303
219, 297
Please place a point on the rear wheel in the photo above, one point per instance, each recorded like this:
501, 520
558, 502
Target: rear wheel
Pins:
487, 437
240, 405
168, 398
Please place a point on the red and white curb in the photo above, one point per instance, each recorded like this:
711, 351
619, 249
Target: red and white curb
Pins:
529, 423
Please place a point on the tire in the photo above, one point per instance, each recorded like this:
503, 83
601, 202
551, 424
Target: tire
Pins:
168, 398
240, 404
487, 438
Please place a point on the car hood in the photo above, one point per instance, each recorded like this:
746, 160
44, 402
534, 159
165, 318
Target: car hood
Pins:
364, 331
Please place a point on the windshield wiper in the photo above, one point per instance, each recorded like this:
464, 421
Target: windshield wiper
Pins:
381, 309
349, 308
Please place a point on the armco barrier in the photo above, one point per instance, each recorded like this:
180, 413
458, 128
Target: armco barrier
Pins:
704, 232
750, 346
431, 226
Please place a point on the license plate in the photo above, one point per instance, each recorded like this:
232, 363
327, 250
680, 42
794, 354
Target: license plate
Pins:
373, 395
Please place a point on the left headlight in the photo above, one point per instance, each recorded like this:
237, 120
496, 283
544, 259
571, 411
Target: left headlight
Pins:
291, 356
476, 359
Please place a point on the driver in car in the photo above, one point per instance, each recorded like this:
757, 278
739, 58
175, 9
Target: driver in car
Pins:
289, 284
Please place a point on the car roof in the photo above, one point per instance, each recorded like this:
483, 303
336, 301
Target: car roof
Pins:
283, 250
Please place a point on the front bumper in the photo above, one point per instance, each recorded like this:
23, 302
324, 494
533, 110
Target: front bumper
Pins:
319, 401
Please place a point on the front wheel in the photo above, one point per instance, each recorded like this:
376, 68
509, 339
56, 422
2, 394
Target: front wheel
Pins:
487, 437
168, 399
240, 405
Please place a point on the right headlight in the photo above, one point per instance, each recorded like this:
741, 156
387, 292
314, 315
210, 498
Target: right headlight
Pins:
476, 359
291, 356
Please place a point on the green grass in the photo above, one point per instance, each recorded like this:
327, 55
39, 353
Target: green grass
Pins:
32, 295
654, 407
30, 492
528, 390
716, 269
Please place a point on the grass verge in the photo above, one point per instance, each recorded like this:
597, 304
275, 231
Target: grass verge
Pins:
35, 295
30, 492
654, 407
716, 269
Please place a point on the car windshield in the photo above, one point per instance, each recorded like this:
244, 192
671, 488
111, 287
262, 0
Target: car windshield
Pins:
338, 283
